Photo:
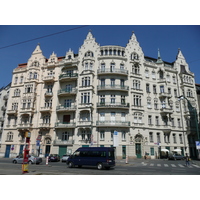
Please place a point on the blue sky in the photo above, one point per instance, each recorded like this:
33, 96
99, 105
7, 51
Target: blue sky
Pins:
168, 38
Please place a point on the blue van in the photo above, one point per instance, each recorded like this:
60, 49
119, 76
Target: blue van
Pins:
101, 157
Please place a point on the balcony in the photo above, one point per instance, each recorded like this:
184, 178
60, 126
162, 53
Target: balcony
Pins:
24, 126
44, 125
164, 94
68, 77
113, 105
11, 112
48, 94
65, 125
166, 111
27, 110
63, 142
49, 78
45, 109
113, 71
63, 108
67, 92
112, 124
84, 123
112, 87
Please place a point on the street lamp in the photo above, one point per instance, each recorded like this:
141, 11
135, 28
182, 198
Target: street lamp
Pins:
193, 109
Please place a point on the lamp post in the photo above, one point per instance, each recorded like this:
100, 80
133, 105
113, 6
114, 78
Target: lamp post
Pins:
193, 109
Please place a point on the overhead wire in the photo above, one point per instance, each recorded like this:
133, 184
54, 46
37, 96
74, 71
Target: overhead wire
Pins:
49, 35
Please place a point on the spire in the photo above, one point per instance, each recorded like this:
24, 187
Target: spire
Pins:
89, 35
159, 60
37, 50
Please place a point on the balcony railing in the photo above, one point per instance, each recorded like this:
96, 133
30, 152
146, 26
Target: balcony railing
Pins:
63, 142
65, 108
68, 76
24, 126
113, 105
166, 110
164, 94
115, 71
113, 123
44, 125
112, 87
67, 91
49, 78
65, 125
84, 123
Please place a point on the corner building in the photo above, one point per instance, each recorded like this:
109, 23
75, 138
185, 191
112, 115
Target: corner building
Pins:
83, 99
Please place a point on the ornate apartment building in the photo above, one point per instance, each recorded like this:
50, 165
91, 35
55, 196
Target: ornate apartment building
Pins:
97, 95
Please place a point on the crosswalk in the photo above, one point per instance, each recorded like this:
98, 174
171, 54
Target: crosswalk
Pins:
168, 165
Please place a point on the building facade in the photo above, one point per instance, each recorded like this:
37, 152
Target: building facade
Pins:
102, 96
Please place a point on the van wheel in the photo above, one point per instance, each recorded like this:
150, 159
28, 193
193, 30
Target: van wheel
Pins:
71, 165
99, 166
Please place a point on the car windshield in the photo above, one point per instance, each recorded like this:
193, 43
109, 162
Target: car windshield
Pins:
53, 155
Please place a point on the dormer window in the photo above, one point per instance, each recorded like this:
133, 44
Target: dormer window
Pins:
35, 64
134, 56
89, 54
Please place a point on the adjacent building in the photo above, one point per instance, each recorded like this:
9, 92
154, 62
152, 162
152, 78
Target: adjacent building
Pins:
102, 96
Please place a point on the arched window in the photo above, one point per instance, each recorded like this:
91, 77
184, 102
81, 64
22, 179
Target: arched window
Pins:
134, 56
17, 92
89, 54
35, 75
35, 64
9, 136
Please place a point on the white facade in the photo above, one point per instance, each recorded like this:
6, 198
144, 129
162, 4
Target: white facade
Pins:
83, 99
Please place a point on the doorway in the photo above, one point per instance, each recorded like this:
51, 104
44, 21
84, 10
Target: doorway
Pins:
138, 150
7, 153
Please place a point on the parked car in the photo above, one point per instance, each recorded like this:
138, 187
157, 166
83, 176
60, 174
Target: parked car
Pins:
176, 156
54, 158
31, 159
64, 158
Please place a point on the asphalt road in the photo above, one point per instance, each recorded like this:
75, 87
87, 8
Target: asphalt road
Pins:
134, 167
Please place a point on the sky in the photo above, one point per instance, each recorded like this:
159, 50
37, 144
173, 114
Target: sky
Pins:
17, 42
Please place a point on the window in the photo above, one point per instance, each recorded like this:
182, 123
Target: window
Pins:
102, 99
123, 135
175, 93
166, 138
169, 90
102, 135
162, 89
172, 120
135, 69
150, 120
86, 81
123, 99
102, 82
136, 84
147, 88
174, 79
112, 82
147, 73
134, 56
155, 104
181, 138
153, 75
9, 136
65, 136
112, 67
189, 93
158, 138
46, 119
168, 78
136, 100
103, 67
174, 138
111, 135
85, 97
48, 103
152, 151
28, 88
157, 120
148, 102
21, 79
179, 122
154, 89
17, 92
137, 118
14, 106
49, 88
151, 137
35, 76
112, 99
16, 79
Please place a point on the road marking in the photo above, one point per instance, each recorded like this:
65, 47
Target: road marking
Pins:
159, 165
180, 165
166, 165
151, 164
173, 165
196, 166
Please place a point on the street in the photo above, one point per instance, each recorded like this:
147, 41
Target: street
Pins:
133, 167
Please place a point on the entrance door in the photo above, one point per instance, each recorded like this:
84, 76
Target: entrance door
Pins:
138, 150
47, 150
7, 153
62, 151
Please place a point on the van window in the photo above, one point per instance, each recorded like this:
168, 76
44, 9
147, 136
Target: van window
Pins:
77, 153
111, 154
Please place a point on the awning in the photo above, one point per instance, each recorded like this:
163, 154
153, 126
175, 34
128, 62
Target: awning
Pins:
165, 150
177, 150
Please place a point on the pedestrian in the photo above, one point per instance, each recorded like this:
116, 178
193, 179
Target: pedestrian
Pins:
187, 160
